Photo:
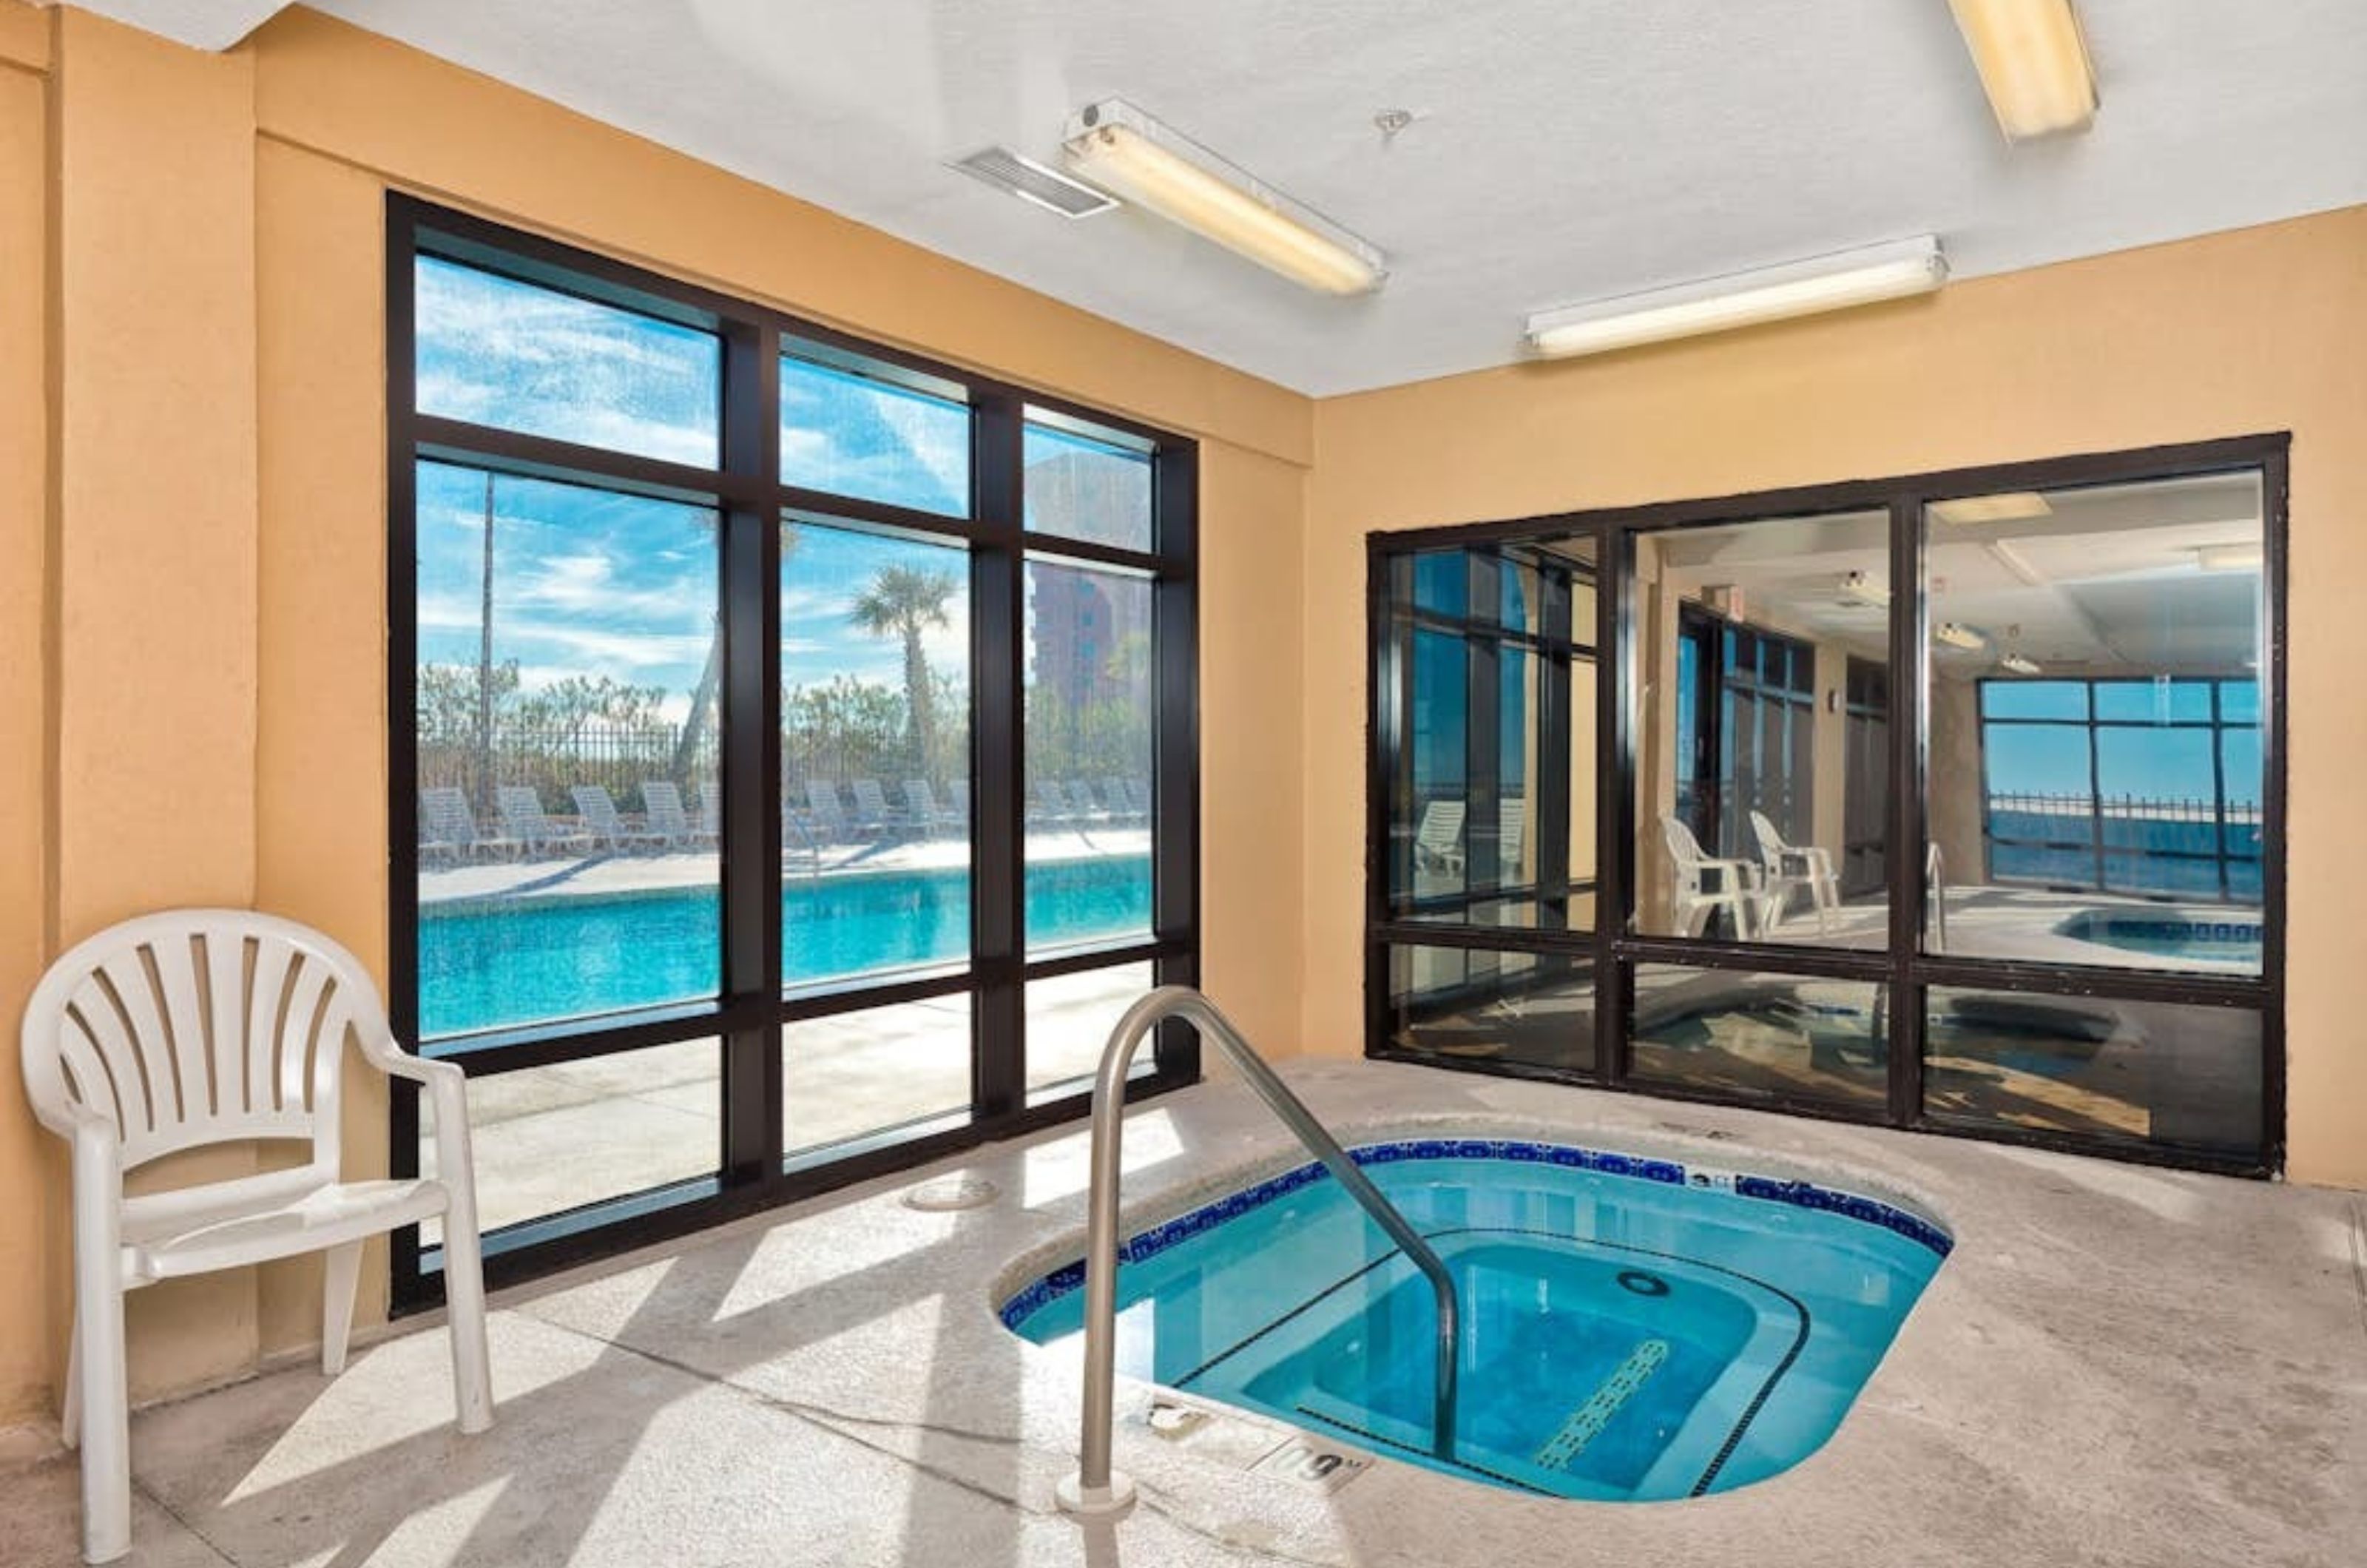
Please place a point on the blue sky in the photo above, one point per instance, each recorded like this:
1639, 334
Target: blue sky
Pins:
589, 582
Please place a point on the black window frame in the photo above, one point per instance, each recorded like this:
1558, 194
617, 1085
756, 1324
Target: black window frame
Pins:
753, 1170
1902, 967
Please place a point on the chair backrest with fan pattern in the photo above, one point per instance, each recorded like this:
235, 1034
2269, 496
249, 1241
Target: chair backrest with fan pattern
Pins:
199, 1026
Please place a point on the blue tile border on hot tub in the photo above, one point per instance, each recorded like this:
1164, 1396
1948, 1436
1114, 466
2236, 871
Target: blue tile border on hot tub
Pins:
1145, 1245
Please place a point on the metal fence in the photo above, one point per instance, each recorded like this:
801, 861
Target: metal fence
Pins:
2189, 846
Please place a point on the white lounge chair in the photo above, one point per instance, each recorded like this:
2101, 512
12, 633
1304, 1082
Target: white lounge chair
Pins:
921, 803
451, 828
826, 816
604, 823
1512, 829
198, 1027
957, 796
1705, 884
522, 815
1051, 804
710, 811
1787, 866
662, 808
1438, 842
872, 812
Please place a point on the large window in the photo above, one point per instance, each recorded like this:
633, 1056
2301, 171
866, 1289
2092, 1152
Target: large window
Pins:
1948, 803
793, 743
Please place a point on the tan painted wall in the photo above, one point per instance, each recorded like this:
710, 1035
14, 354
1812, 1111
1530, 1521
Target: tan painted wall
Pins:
2252, 331
215, 693
25, 1163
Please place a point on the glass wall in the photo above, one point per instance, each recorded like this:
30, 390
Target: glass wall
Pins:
1490, 652
1942, 802
771, 794
1763, 656
2098, 778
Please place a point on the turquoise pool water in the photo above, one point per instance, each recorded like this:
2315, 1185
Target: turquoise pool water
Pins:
1627, 1336
488, 965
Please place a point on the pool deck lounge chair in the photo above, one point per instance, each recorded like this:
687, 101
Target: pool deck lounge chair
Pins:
872, 812
662, 807
922, 803
604, 823
521, 810
452, 828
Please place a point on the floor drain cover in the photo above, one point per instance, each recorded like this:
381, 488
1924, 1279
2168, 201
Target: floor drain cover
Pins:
951, 1192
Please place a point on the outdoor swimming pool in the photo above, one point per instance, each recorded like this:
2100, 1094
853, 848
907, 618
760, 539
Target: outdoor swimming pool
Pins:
487, 963
1634, 1330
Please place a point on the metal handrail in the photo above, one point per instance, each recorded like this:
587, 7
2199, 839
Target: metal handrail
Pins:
1935, 877
1095, 1488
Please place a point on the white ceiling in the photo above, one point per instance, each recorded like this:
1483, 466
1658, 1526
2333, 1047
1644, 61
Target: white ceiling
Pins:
1566, 150
2111, 582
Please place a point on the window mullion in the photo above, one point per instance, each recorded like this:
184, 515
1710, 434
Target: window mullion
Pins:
998, 696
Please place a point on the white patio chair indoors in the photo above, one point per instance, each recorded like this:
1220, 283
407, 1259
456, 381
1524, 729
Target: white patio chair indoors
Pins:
197, 1027
1511, 829
604, 823
1705, 884
521, 810
1438, 842
1787, 866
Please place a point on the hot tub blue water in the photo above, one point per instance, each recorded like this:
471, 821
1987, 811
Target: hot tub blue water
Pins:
1633, 1330
488, 963
2201, 939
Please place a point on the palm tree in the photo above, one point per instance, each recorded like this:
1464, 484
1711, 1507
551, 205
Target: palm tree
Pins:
906, 601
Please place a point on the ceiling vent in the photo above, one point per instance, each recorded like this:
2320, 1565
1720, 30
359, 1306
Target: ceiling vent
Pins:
1031, 181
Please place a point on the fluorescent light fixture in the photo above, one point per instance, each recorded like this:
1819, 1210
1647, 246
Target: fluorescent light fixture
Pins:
2033, 58
2013, 506
1858, 586
1957, 635
2231, 557
1120, 149
2018, 664
1743, 300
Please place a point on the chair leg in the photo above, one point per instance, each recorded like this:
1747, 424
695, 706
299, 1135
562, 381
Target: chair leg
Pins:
464, 1306
70, 1421
106, 1418
341, 1281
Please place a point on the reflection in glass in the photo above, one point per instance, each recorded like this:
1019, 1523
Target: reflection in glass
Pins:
2095, 762
1082, 488
1493, 687
1762, 786
1068, 1021
1087, 749
874, 752
549, 1139
1473, 1005
864, 435
495, 351
859, 1073
565, 637
1784, 1037
2120, 1071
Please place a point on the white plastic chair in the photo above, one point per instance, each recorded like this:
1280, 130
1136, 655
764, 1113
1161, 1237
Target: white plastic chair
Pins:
1705, 884
1438, 841
195, 1027
1787, 866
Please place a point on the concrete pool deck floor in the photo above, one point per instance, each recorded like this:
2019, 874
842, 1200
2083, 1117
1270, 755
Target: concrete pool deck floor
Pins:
2118, 1365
